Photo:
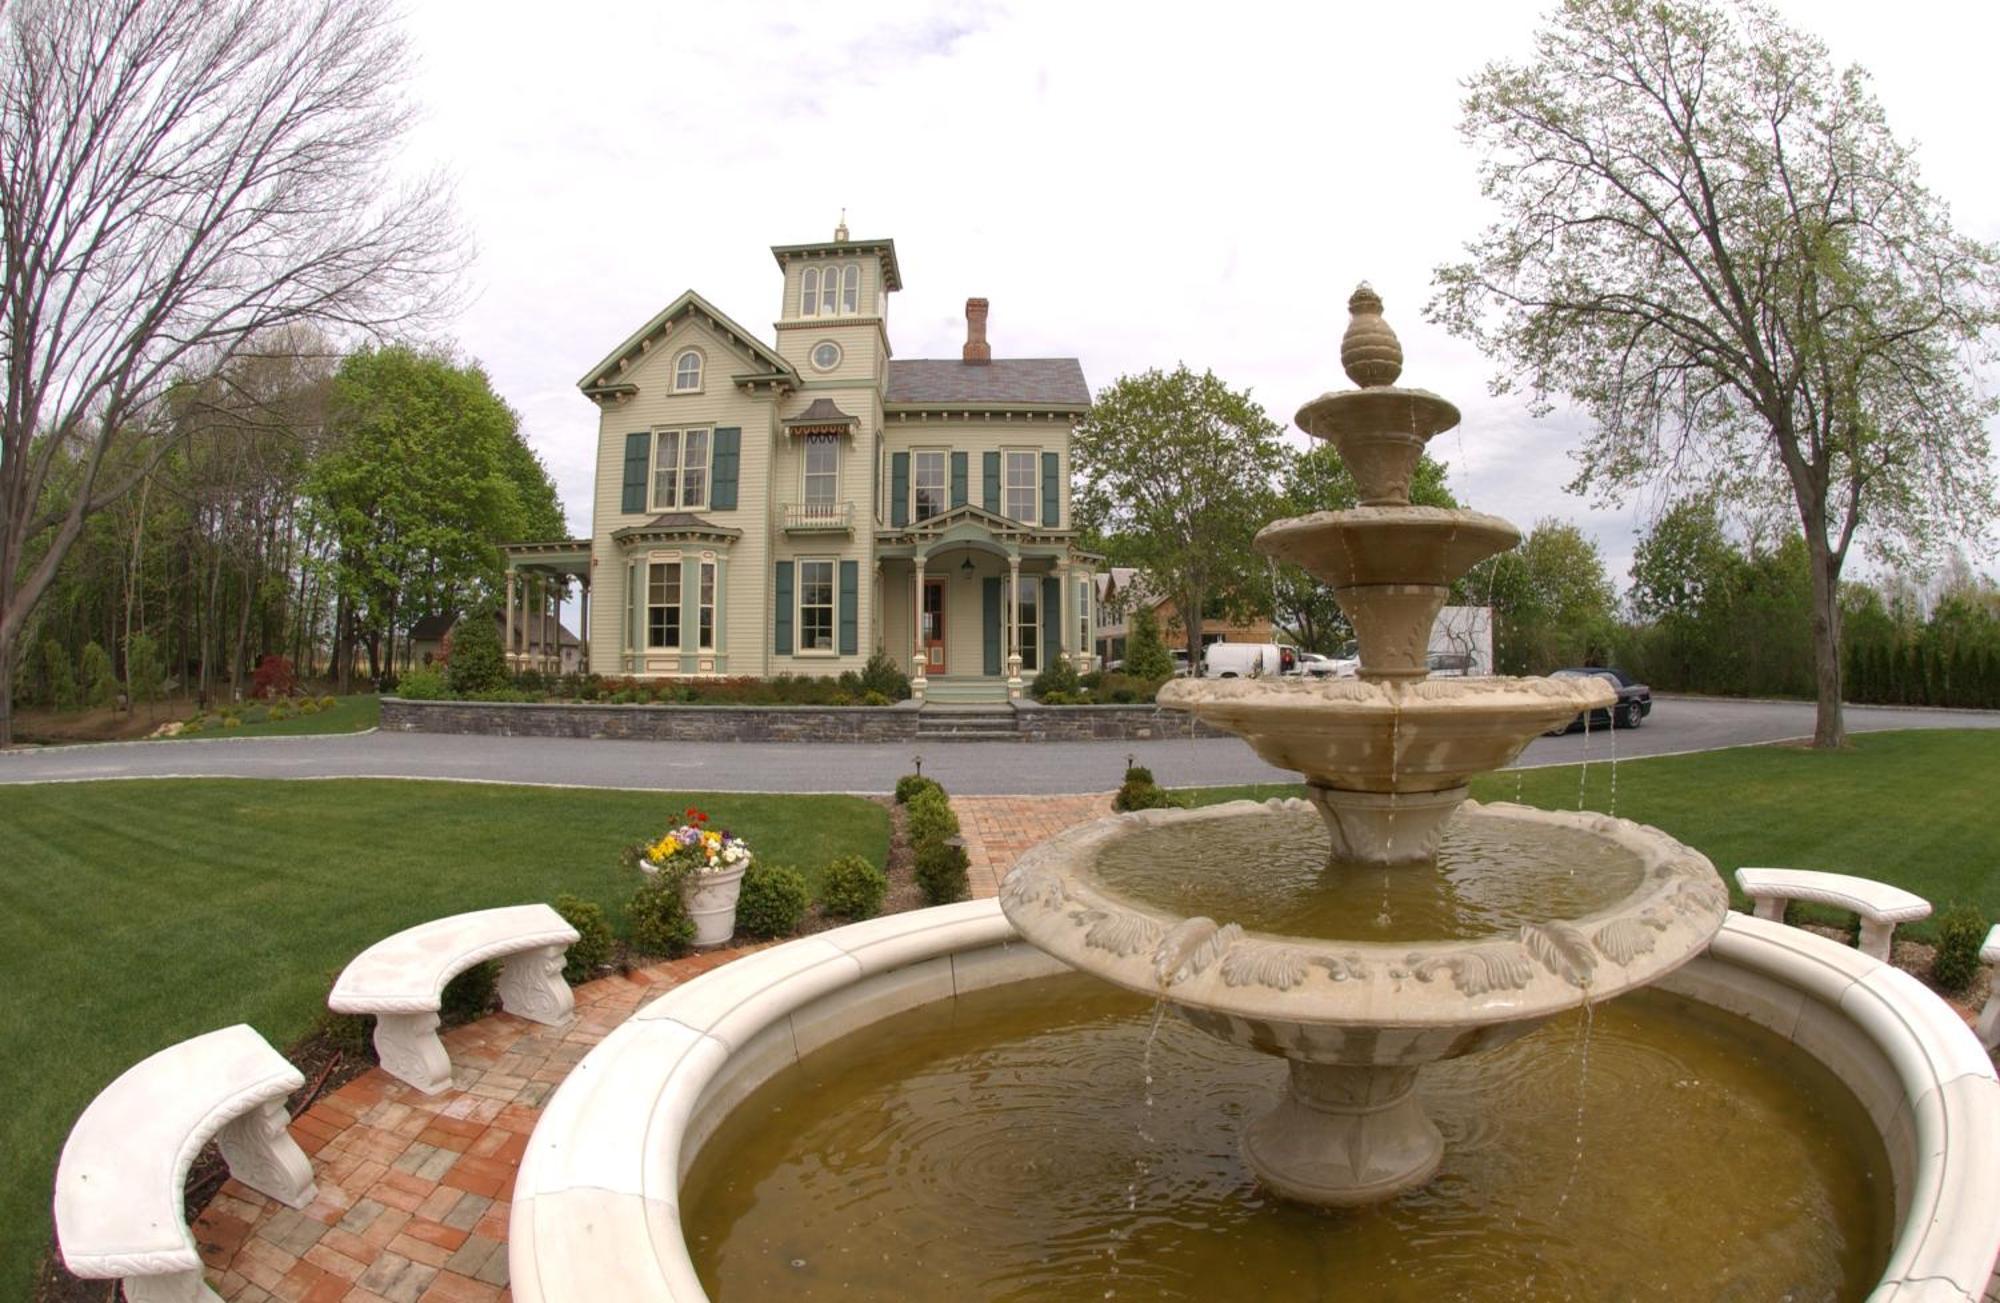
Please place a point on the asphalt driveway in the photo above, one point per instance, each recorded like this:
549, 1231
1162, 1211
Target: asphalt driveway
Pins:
969, 768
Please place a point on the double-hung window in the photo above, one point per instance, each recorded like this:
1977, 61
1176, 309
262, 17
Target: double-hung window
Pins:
680, 469
663, 606
816, 606
1031, 623
928, 469
1023, 486
822, 476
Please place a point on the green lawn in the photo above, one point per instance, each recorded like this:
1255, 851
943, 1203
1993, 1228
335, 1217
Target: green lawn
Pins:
1917, 809
135, 914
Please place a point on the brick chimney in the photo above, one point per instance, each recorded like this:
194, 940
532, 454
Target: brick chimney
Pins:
977, 351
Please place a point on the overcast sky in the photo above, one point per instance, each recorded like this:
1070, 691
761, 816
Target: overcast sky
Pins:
1133, 185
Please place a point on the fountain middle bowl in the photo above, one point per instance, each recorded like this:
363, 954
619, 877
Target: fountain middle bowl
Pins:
1350, 1000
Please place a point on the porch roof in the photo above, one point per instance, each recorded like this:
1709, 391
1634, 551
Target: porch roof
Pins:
975, 527
567, 557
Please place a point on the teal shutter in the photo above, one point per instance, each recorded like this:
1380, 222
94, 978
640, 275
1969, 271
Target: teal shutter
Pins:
960, 465
782, 628
638, 451
991, 614
728, 452
850, 607
1051, 490
899, 489
690, 613
989, 481
1052, 621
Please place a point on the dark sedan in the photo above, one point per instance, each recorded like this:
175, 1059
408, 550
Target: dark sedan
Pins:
1635, 700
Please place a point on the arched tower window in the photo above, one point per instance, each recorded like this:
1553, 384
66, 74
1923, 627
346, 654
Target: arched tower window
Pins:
850, 289
809, 292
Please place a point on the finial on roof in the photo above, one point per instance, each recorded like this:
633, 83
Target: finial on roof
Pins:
840, 231
1369, 351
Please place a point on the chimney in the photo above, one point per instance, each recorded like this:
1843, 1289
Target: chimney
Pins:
977, 351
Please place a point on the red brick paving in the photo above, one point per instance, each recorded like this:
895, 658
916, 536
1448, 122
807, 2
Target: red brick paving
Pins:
997, 829
413, 1188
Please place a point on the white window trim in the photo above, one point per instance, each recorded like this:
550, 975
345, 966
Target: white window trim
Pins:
708, 574
1030, 648
850, 290
1034, 456
839, 355
809, 292
680, 469
700, 371
944, 485
671, 560
799, 647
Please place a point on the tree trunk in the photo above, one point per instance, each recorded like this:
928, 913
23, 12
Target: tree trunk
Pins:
6, 692
1829, 725
1191, 619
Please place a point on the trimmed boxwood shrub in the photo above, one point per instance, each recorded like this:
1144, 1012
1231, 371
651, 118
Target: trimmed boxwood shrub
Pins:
656, 920
476, 662
930, 818
592, 948
1140, 792
941, 872
853, 888
1961, 931
910, 784
772, 902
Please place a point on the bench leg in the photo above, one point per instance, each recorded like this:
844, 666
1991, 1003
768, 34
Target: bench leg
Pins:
532, 986
174, 1287
262, 1154
1875, 939
409, 1048
1988, 1027
1771, 907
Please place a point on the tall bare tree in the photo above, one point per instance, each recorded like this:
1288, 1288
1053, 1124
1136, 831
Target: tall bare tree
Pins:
1710, 240
177, 179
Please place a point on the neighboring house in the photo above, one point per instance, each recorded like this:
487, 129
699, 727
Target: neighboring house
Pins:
791, 508
538, 644
1122, 590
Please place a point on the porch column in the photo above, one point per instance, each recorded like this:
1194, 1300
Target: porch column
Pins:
1066, 604
1014, 627
507, 647
920, 657
583, 624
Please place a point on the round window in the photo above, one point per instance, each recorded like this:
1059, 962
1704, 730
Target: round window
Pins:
826, 355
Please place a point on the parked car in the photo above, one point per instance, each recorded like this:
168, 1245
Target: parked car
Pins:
1247, 660
1635, 700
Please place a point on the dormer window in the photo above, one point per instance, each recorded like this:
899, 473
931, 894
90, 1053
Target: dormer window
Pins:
687, 372
830, 291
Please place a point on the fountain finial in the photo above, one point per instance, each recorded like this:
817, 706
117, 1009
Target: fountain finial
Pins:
1369, 351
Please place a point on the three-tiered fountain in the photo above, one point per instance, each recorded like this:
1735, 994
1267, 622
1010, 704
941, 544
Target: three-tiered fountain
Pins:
1400, 924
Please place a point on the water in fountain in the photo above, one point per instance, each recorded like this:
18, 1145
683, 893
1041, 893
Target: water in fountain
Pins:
1266, 931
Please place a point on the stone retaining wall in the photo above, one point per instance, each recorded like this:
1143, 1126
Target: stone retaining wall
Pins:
1033, 723
654, 723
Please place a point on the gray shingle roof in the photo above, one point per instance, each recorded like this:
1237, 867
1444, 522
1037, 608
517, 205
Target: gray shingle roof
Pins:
1044, 381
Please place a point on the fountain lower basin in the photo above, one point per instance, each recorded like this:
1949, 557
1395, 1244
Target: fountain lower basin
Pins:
596, 1210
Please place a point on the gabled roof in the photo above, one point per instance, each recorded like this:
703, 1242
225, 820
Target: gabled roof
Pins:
604, 376
1043, 382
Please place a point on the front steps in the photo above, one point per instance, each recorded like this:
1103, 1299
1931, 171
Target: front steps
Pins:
965, 691
938, 722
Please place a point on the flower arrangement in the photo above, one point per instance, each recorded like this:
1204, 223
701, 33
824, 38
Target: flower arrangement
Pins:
694, 848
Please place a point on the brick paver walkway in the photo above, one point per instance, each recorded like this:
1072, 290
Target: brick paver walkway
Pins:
997, 829
414, 1189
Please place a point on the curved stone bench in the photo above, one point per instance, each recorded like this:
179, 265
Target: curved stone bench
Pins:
1880, 905
401, 980
121, 1182
1989, 1017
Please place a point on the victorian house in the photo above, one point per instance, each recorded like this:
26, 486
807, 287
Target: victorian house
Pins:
793, 507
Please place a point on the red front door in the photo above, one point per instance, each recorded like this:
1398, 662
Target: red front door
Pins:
933, 626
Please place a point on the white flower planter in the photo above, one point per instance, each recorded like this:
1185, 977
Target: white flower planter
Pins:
710, 898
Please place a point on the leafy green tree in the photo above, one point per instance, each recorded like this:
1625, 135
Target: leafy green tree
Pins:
429, 473
1317, 480
59, 675
1182, 467
1709, 240
100, 680
145, 677
1552, 603
1146, 655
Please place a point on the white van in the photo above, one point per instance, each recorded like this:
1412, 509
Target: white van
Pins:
1247, 660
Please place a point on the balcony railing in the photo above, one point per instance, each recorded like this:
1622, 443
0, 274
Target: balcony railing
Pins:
819, 517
